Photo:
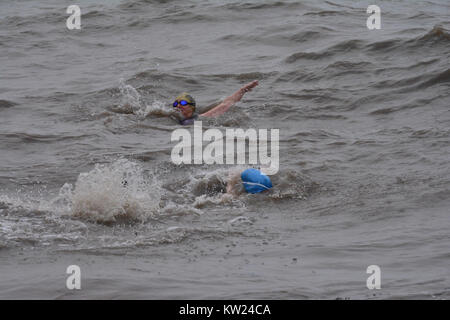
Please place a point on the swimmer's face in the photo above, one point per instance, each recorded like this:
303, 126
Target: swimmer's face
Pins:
184, 106
187, 111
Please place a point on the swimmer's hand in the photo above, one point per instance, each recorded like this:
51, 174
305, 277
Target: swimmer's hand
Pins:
231, 100
249, 86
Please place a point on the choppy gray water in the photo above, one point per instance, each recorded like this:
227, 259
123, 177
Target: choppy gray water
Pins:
364, 150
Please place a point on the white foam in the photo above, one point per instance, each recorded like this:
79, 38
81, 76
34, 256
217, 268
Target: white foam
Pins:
132, 103
114, 191
130, 97
156, 108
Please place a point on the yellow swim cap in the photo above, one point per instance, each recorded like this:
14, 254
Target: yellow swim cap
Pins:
187, 97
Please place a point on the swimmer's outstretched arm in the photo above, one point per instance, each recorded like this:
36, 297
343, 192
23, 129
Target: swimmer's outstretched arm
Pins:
231, 100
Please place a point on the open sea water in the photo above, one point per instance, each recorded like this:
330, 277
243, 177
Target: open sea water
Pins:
364, 173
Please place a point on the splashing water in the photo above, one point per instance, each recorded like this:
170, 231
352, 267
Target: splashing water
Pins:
157, 108
131, 102
112, 193
131, 99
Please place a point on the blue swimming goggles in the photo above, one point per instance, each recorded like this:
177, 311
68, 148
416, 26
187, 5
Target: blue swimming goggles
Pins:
182, 103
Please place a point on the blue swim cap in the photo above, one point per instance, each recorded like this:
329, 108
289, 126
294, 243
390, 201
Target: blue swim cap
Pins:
255, 181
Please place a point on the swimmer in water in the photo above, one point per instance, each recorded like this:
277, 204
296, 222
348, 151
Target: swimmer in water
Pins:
250, 181
185, 105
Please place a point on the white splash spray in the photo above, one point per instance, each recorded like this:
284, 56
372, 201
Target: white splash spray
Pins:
115, 192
